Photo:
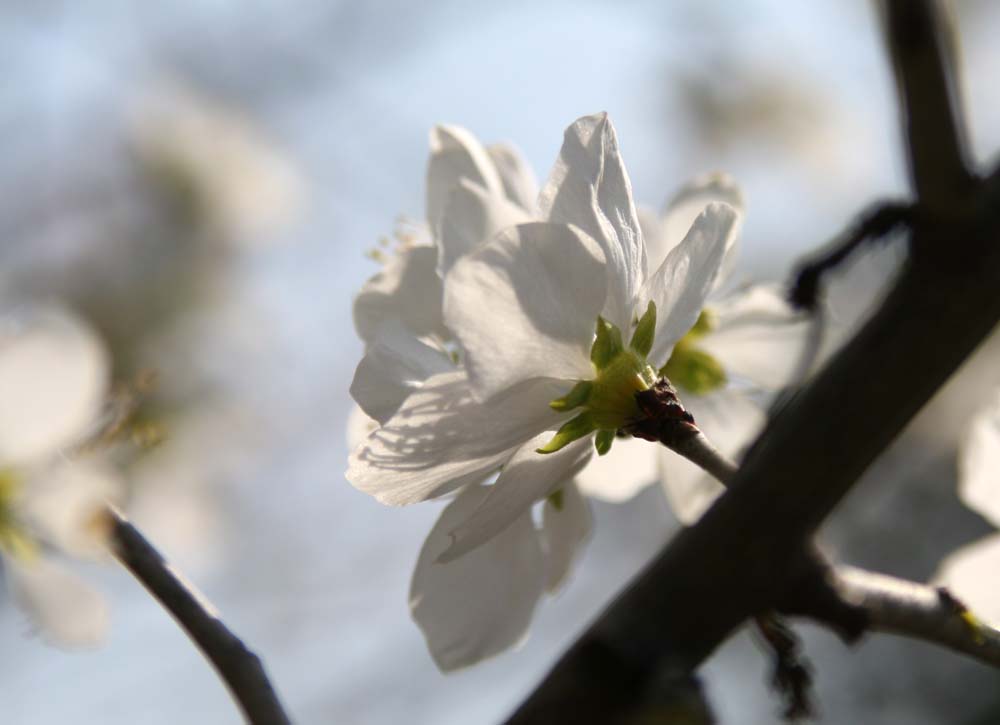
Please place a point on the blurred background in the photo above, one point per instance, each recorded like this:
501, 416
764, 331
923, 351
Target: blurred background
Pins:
202, 181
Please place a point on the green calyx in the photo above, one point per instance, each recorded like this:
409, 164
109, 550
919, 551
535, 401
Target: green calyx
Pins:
608, 400
691, 368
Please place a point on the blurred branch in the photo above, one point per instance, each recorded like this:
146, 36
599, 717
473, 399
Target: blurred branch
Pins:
752, 550
921, 45
237, 665
879, 220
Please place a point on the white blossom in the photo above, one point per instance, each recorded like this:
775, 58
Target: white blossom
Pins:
471, 388
53, 381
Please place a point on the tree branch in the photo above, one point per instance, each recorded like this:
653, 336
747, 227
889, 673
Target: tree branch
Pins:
873, 224
897, 606
239, 668
920, 44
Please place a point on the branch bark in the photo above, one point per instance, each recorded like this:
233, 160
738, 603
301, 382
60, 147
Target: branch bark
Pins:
921, 45
905, 608
240, 669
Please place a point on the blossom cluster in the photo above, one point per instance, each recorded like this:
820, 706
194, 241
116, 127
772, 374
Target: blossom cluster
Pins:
504, 348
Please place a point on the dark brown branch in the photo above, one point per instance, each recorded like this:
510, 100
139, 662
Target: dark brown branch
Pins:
239, 668
921, 45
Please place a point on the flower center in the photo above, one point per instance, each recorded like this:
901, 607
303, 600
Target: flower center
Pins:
608, 399
691, 368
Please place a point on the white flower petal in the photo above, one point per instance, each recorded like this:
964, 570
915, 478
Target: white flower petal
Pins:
64, 504
472, 217
653, 235
630, 466
407, 289
519, 181
731, 421
589, 187
481, 604
53, 379
979, 464
455, 155
359, 427
525, 306
759, 336
685, 206
64, 609
526, 479
564, 532
681, 284
443, 438
395, 364
971, 574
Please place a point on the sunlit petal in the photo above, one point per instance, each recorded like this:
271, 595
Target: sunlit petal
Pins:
525, 480
519, 181
589, 187
480, 604
681, 284
407, 289
443, 438
472, 217
685, 206
455, 155
525, 306
395, 364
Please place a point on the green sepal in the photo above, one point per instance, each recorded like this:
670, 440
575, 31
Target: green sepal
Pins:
694, 370
557, 499
574, 398
645, 330
572, 430
603, 441
607, 344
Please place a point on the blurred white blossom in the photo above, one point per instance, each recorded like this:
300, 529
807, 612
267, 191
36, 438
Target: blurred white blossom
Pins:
53, 382
970, 572
215, 163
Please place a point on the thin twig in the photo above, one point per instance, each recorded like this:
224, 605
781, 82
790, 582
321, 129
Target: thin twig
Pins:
792, 675
237, 665
897, 606
872, 225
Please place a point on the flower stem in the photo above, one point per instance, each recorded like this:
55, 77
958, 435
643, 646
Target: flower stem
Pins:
700, 451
